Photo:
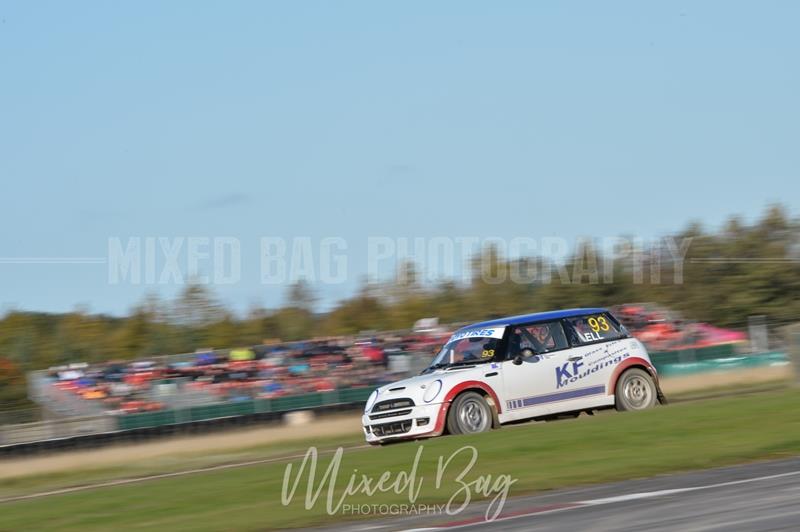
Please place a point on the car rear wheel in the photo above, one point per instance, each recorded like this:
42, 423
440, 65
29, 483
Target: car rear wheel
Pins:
469, 414
635, 391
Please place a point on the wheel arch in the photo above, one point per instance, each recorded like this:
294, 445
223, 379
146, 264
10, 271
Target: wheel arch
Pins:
639, 363
461, 388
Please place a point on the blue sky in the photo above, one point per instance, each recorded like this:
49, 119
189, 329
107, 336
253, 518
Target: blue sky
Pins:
359, 119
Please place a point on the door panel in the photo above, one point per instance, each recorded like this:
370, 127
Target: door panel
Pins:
521, 383
531, 387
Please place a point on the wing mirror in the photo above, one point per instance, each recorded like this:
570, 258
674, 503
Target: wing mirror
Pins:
526, 353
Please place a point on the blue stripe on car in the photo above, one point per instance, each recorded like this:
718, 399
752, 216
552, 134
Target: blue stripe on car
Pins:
553, 397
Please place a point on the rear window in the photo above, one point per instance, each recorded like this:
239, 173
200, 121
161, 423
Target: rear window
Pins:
595, 328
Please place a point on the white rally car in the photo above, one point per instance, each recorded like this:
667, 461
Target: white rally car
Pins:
535, 366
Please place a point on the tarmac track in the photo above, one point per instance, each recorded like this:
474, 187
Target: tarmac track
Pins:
757, 496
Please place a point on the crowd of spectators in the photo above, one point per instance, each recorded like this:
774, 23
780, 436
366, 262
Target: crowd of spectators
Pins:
663, 330
258, 372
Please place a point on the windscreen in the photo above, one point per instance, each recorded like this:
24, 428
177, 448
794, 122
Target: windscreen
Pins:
470, 345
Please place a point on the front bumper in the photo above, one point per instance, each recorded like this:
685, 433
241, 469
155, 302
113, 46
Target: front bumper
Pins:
407, 426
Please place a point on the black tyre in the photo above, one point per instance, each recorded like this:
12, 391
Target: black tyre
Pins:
469, 414
635, 390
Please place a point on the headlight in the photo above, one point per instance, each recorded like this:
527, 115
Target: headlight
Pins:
433, 390
371, 401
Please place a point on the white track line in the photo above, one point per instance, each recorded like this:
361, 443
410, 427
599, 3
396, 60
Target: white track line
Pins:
123, 481
613, 500
660, 493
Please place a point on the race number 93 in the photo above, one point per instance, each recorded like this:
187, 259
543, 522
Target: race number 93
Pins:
598, 324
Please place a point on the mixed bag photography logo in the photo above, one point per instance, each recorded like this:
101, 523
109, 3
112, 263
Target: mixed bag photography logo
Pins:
453, 482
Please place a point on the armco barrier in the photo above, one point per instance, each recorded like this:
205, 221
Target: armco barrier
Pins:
693, 355
761, 360
55, 429
82, 432
243, 408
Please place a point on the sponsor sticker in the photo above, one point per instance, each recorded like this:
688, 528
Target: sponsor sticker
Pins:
489, 332
571, 372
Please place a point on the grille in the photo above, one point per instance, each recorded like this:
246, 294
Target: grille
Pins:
389, 429
391, 414
392, 404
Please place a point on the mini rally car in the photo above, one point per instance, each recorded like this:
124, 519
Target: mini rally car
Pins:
535, 366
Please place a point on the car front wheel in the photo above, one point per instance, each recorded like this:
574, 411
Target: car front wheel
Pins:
469, 414
635, 391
